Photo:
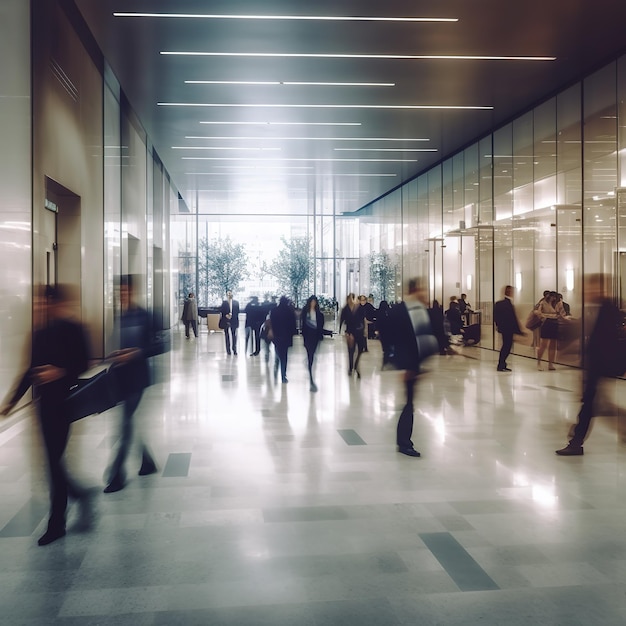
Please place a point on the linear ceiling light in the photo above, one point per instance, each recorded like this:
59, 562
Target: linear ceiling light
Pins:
297, 159
386, 149
410, 57
326, 18
325, 106
284, 82
314, 138
286, 123
223, 148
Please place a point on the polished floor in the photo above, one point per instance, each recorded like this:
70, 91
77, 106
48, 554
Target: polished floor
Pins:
277, 506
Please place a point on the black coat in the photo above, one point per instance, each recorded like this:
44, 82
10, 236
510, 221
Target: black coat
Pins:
283, 321
310, 334
505, 318
225, 310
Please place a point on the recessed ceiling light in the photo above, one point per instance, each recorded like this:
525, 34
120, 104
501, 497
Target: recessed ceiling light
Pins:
313, 138
326, 106
326, 18
259, 82
328, 55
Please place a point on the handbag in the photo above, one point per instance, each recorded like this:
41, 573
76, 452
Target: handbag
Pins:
533, 320
96, 394
224, 323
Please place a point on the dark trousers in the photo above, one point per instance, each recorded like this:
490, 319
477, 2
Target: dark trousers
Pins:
505, 350
126, 438
405, 421
193, 325
311, 347
281, 351
230, 332
586, 410
55, 430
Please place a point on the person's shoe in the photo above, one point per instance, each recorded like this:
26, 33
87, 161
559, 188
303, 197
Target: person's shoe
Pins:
235, 352
551, 367
285, 379
539, 367
117, 484
349, 372
147, 468
358, 374
504, 369
409, 452
228, 352
52, 534
570, 450
313, 387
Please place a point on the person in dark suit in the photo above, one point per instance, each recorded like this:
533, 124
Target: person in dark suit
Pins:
229, 321
130, 363
190, 315
59, 354
603, 355
411, 341
283, 320
312, 332
507, 324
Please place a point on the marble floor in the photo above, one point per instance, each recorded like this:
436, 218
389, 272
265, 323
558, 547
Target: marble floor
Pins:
277, 506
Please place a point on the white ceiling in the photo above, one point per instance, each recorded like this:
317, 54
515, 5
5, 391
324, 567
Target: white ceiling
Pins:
271, 168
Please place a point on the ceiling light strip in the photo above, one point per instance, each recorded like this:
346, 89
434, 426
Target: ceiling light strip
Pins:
298, 159
386, 149
321, 18
310, 138
285, 82
409, 57
284, 123
326, 106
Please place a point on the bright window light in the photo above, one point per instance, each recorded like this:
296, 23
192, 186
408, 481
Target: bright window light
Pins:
223, 148
386, 149
569, 279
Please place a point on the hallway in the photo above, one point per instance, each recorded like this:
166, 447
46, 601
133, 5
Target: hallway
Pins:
276, 506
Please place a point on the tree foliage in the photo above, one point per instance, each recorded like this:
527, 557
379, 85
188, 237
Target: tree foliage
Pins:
383, 275
292, 267
221, 267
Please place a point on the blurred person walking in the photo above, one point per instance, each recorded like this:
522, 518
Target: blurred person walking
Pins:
130, 363
312, 332
507, 325
353, 316
190, 315
412, 340
283, 321
59, 354
605, 354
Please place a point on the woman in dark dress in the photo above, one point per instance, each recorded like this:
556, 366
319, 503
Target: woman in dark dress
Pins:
353, 316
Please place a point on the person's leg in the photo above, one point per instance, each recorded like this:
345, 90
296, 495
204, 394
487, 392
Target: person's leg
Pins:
248, 331
257, 341
542, 348
116, 473
507, 343
405, 421
359, 343
55, 431
284, 351
233, 329
194, 326
586, 411
551, 353
186, 323
227, 339
350, 343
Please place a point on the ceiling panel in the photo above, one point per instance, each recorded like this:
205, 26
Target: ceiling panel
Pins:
282, 147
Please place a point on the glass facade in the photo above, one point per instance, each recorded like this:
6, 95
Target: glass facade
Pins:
535, 204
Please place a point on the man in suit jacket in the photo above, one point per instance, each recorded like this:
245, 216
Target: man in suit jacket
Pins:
190, 315
229, 321
507, 324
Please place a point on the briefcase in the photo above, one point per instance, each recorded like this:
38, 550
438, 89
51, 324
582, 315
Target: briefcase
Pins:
92, 395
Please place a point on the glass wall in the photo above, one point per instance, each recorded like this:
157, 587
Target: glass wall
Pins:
534, 205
